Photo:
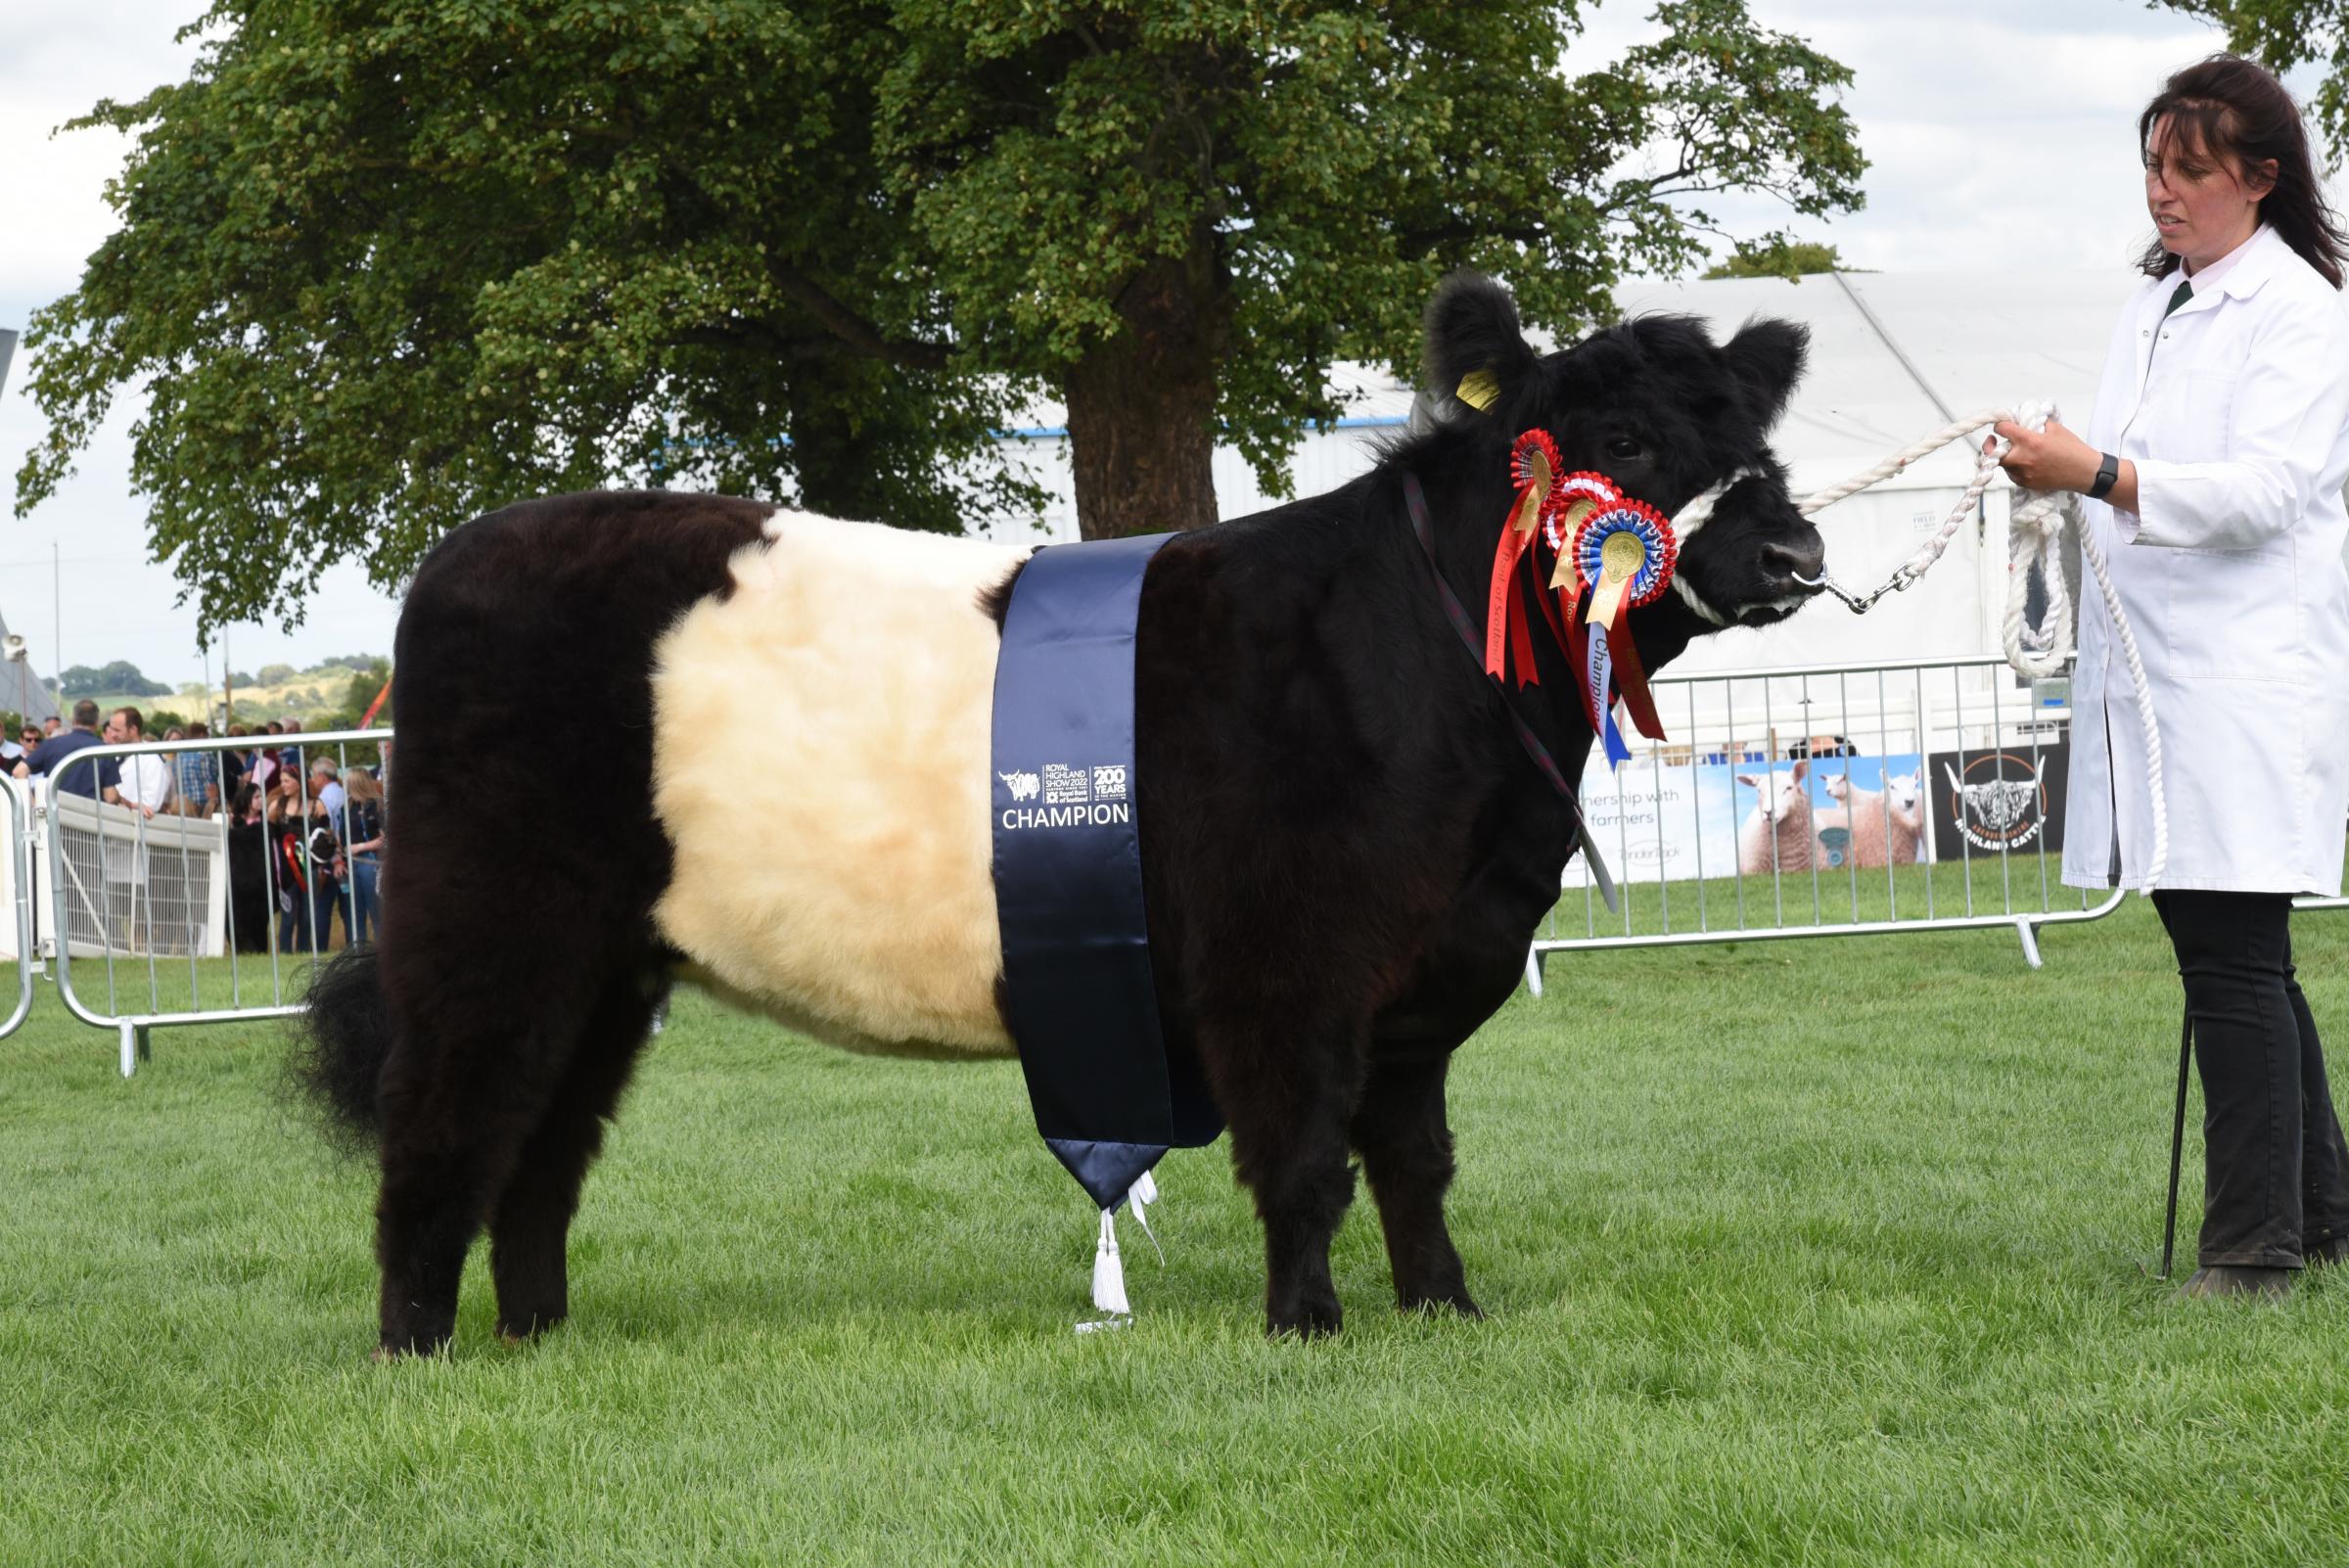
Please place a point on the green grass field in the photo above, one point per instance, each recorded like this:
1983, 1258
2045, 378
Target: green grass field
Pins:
1795, 1253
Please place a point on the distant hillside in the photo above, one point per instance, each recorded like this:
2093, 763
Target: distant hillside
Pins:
340, 689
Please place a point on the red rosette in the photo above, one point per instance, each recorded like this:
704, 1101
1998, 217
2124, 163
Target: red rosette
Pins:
1530, 442
1581, 486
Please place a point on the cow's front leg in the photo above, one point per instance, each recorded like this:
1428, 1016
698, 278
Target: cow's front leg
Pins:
1406, 1143
1288, 1123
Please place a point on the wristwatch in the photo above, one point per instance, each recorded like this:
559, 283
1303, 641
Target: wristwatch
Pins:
2108, 474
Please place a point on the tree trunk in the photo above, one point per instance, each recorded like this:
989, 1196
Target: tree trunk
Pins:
1142, 405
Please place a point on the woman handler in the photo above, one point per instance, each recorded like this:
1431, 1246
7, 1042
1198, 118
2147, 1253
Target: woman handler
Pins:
2214, 468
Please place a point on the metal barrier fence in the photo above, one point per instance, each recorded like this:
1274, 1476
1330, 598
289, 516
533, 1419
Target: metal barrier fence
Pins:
1920, 795
151, 894
17, 869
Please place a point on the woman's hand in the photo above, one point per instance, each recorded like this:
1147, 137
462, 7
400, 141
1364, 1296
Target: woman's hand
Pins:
2052, 459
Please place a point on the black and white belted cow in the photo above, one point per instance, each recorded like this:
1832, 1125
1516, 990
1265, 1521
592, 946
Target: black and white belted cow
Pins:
1346, 841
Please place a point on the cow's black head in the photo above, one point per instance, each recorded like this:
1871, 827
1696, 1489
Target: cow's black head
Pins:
1666, 413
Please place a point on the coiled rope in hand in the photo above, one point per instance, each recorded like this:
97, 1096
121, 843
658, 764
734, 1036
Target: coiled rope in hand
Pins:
2033, 529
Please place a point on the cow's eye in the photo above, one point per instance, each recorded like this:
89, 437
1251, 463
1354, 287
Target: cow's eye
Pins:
1623, 447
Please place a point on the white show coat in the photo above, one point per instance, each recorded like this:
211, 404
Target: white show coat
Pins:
2231, 574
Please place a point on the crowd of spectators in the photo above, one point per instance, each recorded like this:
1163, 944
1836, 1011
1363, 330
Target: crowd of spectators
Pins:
305, 834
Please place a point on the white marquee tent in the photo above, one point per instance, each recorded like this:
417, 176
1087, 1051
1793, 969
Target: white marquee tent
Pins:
24, 688
1894, 358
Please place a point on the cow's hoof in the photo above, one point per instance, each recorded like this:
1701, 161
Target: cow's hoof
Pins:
1457, 1301
524, 1334
409, 1350
1317, 1320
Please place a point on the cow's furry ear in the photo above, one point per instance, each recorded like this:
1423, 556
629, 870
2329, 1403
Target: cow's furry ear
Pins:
1473, 337
1766, 359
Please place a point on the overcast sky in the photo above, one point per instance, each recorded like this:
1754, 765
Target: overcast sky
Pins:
1999, 133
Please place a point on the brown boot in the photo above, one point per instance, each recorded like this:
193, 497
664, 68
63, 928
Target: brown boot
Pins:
2236, 1279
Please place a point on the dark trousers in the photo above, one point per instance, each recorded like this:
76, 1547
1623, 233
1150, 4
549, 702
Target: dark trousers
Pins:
2275, 1173
359, 914
292, 920
325, 896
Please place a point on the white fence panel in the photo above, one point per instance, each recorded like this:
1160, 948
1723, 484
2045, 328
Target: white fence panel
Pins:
142, 902
135, 887
16, 897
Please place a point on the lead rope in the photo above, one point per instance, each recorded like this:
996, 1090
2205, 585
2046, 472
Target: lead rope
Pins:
2033, 527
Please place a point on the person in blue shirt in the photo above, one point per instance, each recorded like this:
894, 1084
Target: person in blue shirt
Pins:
99, 781
195, 777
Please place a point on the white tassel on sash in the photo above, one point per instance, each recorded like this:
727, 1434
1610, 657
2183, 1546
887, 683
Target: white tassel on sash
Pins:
1108, 1275
1108, 1267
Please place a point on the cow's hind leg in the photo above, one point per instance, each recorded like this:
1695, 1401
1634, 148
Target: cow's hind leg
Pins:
529, 1228
468, 1080
1406, 1143
1288, 1110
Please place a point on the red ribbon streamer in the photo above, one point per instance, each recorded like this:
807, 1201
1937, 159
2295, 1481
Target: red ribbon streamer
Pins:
1521, 646
1630, 676
1497, 606
1505, 630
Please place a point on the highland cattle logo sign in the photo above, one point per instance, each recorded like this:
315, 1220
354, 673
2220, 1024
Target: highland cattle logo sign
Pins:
1999, 800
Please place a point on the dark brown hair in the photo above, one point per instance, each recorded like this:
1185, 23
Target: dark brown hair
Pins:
2231, 109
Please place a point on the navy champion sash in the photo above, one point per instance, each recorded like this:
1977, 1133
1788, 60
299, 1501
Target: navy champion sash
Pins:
1081, 1002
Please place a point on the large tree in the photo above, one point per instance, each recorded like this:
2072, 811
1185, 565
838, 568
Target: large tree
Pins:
384, 263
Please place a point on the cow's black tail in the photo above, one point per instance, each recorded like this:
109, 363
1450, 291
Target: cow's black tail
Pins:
344, 1035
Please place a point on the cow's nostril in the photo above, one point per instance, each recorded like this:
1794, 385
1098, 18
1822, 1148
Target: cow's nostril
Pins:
1796, 560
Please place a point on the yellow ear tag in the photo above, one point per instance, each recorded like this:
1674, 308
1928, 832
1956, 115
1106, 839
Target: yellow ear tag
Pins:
1478, 389
1536, 490
1620, 559
1576, 510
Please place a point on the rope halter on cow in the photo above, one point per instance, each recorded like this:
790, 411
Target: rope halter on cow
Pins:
2035, 524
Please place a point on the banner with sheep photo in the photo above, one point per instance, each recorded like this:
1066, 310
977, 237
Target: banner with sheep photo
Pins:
1656, 822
